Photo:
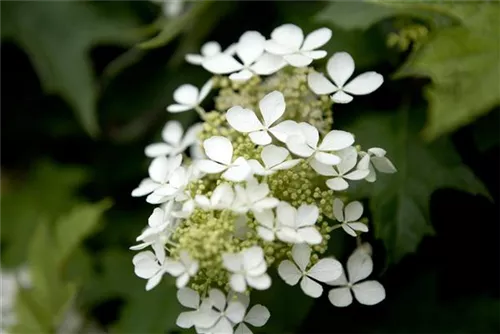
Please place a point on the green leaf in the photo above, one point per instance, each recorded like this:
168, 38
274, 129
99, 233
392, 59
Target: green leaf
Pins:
58, 37
400, 202
35, 318
462, 62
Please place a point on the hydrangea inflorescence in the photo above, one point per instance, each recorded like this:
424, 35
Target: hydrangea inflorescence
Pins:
263, 186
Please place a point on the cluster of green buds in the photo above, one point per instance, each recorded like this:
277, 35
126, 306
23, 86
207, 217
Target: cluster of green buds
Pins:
263, 185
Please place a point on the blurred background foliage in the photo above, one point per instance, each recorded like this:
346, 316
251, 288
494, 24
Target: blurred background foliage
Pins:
85, 85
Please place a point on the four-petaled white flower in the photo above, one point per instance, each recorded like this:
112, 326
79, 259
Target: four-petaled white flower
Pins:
149, 266
274, 159
219, 314
359, 267
297, 225
288, 41
253, 197
208, 50
322, 271
222, 198
343, 170
248, 268
305, 143
348, 216
375, 159
257, 316
175, 189
190, 299
174, 143
340, 67
188, 97
253, 59
160, 171
219, 150
268, 225
183, 269
272, 107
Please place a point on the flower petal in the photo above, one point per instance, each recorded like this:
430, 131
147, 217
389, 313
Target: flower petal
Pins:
289, 272
250, 47
154, 281
257, 316
384, 165
219, 149
188, 298
209, 166
297, 60
257, 168
284, 129
235, 311
176, 108
338, 209
359, 265
252, 257
307, 215
326, 270
316, 39
268, 64
273, 155
358, 226
337, 184
340, 67
310, 235
365, 83
238, 172
194, 59
210, 49
275, 48
349, 157
327, 158
347, 229
336, 140
242, 75
186, 94
341, 97
172, 133
186, 319
265, 233
357, 174
262, 282
322, 169
287, 164
205, 90
223, 326
238, 283
265, 218
310, 287
158, 169
286, 214
272, 107
222, 64
297, 145
340, 297
301, 254
353, 211
242, 329
319, 84
145, 187
217, 299
243, 120
289, 35
232, 262
369, 292
157, 149
260, 137
317, 54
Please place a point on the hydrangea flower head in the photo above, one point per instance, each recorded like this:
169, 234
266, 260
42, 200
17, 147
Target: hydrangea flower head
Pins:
260, 191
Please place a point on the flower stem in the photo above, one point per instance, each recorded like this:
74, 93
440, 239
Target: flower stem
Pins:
201, 112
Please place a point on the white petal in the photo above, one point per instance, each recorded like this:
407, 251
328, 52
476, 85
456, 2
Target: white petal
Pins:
262, 282
353, 211
257, 168
194, 59
336, 140
257, 316
287, 164
154, 281
272, 107
145, 187
264, 204
146, 271
341, 97
289, 35
217, 299
326, 270
297, 145
284, 129
316, 39
175, 108
265, 218
250, 47
235, 311
210, 49
340, 67
297, 60
301, 254
188, 298
275, 48
186, 319
377, 151
172, 133
286, 214
349, 230
242, 75
327, 158
357, 226
242, 329
310, 287
337, 184
182, 280
310, 134
349, 157
338, 209
268, 64
359, 265
253, 256
365, 83
384, 165
319, 84
238, 172
232, 262
158, 169
369, 292
357, 174
340, 297
289, 272
273, 155
265, 233
310, 235
157, 149
205, 90
260, 137
307, 215
322, 169
156, 199
186, 94
318, 54
237, 283
209, 166
219, 149
243, 120
190, 137
222, 64
364, 162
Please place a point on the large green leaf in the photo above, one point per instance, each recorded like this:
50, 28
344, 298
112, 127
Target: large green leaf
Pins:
58, 36
400, 202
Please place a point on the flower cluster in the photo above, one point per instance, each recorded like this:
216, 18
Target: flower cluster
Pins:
263, 185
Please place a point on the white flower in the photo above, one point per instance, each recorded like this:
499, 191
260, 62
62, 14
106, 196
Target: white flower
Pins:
188, 97
190, 299
340, 67
359, 267
268, 226
186, 209
157, 232
349, 216
221, 315
342, 171
253, 197
222, 198
375, 159
322, 271
208, 50
257, 316
175, 189
160, 171
253, 59
174, 143
288, 41
274, 159
219, 150
297, 225
248, 268
149, 266
305, 144
183, 269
